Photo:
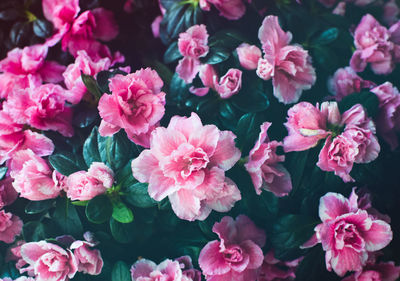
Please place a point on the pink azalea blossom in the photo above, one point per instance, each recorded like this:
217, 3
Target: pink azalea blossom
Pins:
345, 82
106, 28
375, 45
248, 55
229, 84
72, 75
135, 105
89, 260
32, 176
188, 68
208, 76
230, 9
21, 278
388, 120
264, 168
193, 42
348, 233
289, 66
273, 269
391, 12
187, 162
84, 186
7, 192
41, 107
238, 255
10, 226
14, 254
49, 261
60, 12
155, 26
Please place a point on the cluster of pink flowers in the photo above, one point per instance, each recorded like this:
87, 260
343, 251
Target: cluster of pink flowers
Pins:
350, 137
348, 234
49, 261
180, 269
187, 162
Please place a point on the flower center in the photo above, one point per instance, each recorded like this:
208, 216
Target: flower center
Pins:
233, 254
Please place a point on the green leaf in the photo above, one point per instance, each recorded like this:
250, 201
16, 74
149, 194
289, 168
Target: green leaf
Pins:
172, 53
67, 163
90, 148
79, 203
33, 231
67, 218
91, 85
216, 55
36, 207
368, 100
326, 37
103, 77
247, 131
251, 98
99, 209
121, 212
3, 172
122, 232
120, 272
228, 38
138, 196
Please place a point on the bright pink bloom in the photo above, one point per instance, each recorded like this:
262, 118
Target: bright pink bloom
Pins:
106, 28
84, 186
187, 162
388, 120
10, 226
7, 192
193, 42
306, 126
248, 55
375, 45
135, 105
347, 233
273, 269
14, 254
238, 255
188, 68
49, 261
229, 84
208, 76
60, 12
32, 176
264, 168
89, 260
155, 26
289, 66
345, 82
72, 75
230, 9
41, 107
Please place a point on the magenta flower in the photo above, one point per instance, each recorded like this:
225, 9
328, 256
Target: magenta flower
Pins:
230, 9
273, 269
229, 84
187, 162
7, 192
264, 168
10, 226
238, 255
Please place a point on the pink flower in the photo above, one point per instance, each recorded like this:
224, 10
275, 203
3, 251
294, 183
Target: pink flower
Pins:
289, 66
106, 28
60, 12
41, 107
187, 162
249, 56
72, 75
193, 42
375, 45
347, 233
229, 84
188, 272
84, 186
230, 9
208, 77
14, 254
7, 192
306, 126
273, 269
32, 176
89, 260
238, 255
135, 105
345, 82
21, 278
390, 12
10, 226
388, 120
264, 168
188, 68
155, 26
49, 261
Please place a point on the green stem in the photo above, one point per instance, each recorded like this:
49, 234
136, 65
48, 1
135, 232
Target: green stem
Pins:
31, 17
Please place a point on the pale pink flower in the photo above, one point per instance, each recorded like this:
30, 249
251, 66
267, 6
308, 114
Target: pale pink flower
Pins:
10, 226
273, 269
193, 42
388, 120
14, 254
345, 82
41, 107
84, 186
249, 56
49, 261
229, 84
89, 260
348, 233
238, 255
187, 162
7, 192
21, 278
289, 66
72, 75
264, 166
208, 76
188, 68
135, 105
32, 176
230, 9
155, 26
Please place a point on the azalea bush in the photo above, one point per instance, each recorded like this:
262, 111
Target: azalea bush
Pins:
189, 140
